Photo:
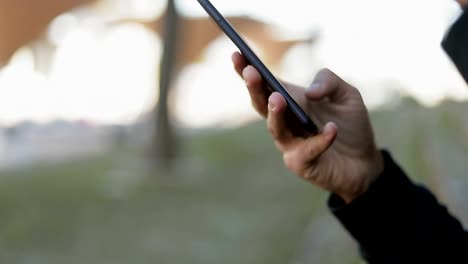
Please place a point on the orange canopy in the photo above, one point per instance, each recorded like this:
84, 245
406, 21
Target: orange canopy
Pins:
21, 21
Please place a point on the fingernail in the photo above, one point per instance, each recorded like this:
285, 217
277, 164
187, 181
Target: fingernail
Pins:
329, 128
271, 106
313, 87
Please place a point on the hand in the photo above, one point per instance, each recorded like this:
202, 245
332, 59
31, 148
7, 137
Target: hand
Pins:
343, 157
463, 3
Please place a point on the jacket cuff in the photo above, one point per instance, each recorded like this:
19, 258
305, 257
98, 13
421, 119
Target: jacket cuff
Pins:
396, 221
365, 216
382, 190
455, 44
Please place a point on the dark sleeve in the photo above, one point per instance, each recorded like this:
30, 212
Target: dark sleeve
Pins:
397, 221
455, 44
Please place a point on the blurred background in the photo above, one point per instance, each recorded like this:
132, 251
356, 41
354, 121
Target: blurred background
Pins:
126, 137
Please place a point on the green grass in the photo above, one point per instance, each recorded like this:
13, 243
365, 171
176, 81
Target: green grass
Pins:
229, 199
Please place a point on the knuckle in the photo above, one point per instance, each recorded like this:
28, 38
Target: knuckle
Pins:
355, 91
250, 84
274, 133
310, 174
327, 78
280, 146
289, 161
326, 73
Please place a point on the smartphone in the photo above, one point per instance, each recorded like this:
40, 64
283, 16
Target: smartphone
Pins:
253, 59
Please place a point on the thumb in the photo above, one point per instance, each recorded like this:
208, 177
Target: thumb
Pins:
317, 145
310, 149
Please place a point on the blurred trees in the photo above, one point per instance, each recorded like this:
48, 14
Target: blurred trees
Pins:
165, 139
23, 22
199, 33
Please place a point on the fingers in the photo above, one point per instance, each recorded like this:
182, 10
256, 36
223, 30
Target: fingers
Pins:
299, 158
315, 146
276, 122
298, 152
239, 62
258, 92
327, 85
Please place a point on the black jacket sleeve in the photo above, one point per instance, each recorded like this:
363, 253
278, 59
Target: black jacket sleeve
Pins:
397, 221
455, 44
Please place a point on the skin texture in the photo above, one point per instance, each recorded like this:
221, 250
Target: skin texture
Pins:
343, 157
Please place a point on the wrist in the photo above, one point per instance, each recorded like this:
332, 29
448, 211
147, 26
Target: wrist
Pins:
374, 170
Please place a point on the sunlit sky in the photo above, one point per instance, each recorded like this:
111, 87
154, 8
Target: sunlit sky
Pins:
107, 75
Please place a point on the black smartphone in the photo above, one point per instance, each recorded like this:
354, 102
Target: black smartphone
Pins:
253, 59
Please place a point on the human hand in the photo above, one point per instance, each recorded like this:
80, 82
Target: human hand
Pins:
463, 3
343, 157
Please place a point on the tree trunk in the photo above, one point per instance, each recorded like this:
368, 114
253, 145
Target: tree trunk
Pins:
165, 140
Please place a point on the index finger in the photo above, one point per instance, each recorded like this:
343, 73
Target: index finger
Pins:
258, 91
254, 82
239, 62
